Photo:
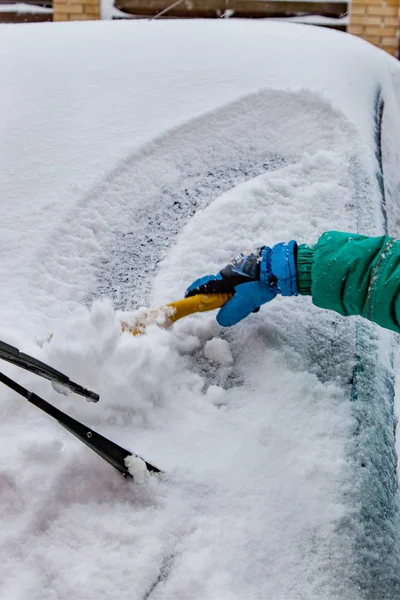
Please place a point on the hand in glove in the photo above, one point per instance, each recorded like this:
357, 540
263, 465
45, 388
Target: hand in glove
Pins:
253, 278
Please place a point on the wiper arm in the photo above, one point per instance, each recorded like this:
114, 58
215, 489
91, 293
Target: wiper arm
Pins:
29, 363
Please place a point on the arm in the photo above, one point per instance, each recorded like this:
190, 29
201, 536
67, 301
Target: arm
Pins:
353, 275
345, 272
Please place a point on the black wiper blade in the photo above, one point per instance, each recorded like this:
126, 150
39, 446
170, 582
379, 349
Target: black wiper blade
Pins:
29, 363
111, 452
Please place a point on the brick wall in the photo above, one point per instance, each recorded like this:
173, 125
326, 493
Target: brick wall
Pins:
76, 10
376, 21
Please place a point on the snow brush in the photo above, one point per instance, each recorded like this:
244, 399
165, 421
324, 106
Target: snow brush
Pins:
166, 315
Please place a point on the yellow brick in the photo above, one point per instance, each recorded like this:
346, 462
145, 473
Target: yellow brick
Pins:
69, 8
60, 16
373, 39
374, 9
357, 9
391, 42
81, 18
355, 29
61, 12
365, 20
388, 31
374, 31
96, 2
92, 10
394, 31
381, 3
391, 21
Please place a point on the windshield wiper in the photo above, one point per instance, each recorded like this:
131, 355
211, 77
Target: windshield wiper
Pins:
111, 452
29, 363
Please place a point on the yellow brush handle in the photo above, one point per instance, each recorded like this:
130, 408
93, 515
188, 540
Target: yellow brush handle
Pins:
176, 310
198, 303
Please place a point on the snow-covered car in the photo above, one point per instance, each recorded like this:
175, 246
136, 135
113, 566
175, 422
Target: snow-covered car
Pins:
137, 156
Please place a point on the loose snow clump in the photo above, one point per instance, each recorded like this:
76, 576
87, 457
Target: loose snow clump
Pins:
218, 351
136, 467
217, 395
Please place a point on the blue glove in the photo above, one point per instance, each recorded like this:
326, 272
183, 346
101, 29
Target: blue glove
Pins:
253, 278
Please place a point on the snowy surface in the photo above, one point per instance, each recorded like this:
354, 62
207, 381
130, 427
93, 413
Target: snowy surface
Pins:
316, 20
124, 175
108, 10
20, 7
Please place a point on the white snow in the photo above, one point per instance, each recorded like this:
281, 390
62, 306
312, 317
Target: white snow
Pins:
315, 20
137, 468
21, 7
108, 10
137, 156
218, 350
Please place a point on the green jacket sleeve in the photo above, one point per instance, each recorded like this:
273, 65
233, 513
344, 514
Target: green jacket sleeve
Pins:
353, 275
